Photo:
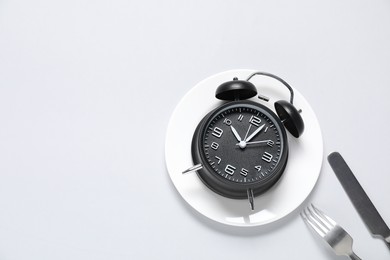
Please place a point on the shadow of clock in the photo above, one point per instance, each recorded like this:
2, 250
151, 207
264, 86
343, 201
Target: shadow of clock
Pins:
245, 231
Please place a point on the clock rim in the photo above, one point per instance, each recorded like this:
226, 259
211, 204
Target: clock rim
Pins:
223, 186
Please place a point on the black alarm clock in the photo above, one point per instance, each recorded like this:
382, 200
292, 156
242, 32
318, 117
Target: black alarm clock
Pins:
240, 149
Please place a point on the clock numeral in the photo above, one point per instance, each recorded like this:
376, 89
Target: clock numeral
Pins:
267, 157
240, 117
229, 169
244, 172
258, 167
254, 120
227, 121
217, 132
270, 143
219, 159
214, 145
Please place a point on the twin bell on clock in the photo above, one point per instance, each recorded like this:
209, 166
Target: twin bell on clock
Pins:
240, 149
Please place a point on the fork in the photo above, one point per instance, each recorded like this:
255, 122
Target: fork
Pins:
338, 239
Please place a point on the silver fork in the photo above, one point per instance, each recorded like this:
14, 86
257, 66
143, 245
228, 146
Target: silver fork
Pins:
339, 240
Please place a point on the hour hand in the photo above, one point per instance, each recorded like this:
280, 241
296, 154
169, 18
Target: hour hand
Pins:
238, 137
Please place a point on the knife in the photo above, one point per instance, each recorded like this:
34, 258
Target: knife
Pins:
362, 203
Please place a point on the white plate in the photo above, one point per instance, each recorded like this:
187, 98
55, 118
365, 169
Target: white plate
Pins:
298, 180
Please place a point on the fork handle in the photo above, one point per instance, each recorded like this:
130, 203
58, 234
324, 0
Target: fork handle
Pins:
353, 256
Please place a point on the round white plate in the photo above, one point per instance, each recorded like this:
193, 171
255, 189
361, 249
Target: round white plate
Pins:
298, 180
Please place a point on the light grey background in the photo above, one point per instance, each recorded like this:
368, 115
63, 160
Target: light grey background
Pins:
86, 92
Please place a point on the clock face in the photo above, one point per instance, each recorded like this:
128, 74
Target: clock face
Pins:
243, 144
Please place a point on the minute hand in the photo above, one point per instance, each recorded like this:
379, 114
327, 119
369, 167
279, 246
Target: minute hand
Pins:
254, 133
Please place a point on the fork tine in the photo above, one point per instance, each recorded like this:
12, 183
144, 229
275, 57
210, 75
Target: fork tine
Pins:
324, 216
321, 217
318, 220
312, 223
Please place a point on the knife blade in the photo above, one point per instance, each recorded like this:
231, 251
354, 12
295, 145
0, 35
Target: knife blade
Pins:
362, 203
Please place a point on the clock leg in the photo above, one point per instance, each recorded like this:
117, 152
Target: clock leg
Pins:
193, 168
250, 198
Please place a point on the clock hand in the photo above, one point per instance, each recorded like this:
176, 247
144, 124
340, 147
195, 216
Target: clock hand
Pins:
254, 133
247, 132
238, 137
256, 142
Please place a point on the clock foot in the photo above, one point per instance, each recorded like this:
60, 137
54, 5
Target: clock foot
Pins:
193, 168
250, 198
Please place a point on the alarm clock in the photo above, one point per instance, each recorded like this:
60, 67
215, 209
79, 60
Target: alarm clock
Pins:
240, 149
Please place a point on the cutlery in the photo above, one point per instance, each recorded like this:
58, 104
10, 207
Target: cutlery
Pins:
338, 239
362, 203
